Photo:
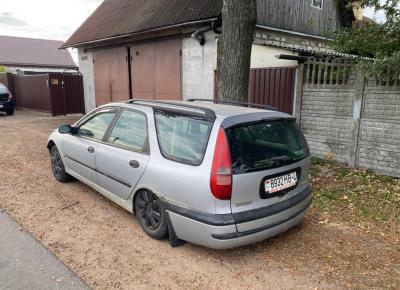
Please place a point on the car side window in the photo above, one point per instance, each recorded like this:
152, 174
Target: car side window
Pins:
96, 127
130, 131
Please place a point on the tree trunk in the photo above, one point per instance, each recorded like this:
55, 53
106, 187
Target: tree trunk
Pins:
234, 49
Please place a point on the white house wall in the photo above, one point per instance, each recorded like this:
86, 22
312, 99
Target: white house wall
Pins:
200, 62
265, 56
198, 66
85, 60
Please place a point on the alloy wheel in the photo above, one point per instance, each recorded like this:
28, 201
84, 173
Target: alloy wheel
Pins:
149, 210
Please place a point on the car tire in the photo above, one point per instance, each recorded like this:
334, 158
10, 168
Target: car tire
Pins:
151, 214
10, 111
57, 166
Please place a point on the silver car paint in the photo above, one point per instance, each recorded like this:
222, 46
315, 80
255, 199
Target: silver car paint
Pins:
199, 233
181, 184
75, 153
112, 164
246, 187
185, 185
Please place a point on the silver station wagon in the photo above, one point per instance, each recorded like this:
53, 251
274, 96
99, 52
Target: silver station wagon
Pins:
205, 172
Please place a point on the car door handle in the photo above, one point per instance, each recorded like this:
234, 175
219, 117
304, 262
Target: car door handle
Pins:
90, 149
134, 164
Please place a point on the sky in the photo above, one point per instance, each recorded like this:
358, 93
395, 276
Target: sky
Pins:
46, 19
378, 16
58, 19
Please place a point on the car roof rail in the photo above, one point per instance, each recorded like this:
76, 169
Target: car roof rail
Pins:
177, 108
234, 103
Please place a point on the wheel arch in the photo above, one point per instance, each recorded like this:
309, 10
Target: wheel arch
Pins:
50, 144
140, 189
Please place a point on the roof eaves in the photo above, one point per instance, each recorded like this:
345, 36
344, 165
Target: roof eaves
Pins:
38, 65
116, 37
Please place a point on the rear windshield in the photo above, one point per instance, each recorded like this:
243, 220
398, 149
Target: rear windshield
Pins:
181, 138
266, 145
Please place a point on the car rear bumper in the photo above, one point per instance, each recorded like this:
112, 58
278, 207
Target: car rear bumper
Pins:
230, 231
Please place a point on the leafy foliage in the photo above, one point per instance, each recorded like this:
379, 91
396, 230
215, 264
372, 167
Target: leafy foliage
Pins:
376, 45
356, 194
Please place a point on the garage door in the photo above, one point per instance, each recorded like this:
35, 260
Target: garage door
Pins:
111, 75
156, 70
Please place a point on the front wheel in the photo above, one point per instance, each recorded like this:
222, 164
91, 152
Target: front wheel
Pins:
151, 215
57, 166
10, 111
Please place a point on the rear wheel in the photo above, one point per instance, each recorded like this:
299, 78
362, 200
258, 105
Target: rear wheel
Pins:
57, 166
151, 215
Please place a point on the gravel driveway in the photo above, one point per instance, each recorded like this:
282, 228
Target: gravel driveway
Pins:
106, 247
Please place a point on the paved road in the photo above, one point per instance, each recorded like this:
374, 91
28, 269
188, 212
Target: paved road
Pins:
26, 264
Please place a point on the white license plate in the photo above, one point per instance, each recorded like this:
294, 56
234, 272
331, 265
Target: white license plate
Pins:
280, 183
1, 106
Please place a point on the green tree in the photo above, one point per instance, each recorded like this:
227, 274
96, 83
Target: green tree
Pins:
376, 45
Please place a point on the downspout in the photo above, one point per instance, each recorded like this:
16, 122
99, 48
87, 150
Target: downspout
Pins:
199, 34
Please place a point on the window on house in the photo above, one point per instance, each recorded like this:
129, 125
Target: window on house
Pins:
317, 3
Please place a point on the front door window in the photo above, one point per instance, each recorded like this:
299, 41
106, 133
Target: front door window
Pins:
96, 127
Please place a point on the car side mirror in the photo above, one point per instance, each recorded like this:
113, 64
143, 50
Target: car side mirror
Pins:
66, 129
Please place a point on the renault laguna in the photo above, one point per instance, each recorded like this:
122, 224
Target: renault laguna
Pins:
216, 174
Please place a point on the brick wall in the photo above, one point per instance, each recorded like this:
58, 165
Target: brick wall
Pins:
326, 117
379, 137
355, 124
291, 41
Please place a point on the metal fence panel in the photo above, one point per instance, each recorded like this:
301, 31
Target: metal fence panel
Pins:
273, 87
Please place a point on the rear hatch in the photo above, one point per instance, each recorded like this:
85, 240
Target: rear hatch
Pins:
270, 160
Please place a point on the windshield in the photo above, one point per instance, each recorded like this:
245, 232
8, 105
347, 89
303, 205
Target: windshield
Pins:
3, 89
266, 145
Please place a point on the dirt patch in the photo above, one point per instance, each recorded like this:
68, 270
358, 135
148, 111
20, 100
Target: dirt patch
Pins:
105, 246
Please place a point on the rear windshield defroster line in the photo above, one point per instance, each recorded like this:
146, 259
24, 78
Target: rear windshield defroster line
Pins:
265, 145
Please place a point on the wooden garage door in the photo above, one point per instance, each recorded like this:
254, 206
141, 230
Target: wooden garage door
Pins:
142, 69
156, 70
111, 75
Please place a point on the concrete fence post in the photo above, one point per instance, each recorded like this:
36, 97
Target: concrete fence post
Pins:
358, 98
299, 92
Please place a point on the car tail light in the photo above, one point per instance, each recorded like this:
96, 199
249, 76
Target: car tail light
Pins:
221, 173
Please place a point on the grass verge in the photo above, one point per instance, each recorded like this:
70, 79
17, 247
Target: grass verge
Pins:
355, 194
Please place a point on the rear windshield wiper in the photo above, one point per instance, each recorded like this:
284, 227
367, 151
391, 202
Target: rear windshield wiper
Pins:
273, 159
265, 163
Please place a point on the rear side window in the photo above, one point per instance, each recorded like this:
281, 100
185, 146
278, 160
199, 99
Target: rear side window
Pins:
266, 145
181, 138
130, 131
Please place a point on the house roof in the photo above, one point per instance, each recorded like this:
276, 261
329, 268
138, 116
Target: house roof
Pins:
122, 17
19, 51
